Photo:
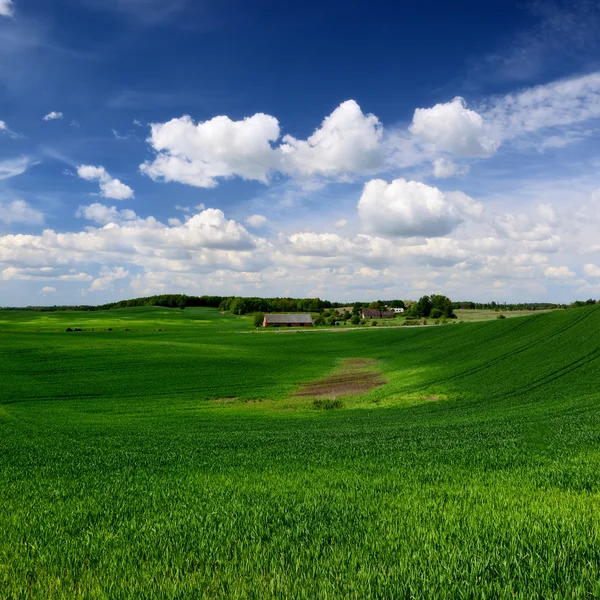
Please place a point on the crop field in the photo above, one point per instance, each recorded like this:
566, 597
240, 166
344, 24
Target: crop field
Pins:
180, 454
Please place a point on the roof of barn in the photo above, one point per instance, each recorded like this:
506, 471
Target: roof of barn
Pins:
298, 318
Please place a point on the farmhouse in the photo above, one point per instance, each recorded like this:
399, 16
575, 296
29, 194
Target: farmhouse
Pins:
375, 313
299, 320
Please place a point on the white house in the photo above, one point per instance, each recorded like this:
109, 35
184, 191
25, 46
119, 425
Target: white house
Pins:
398, 310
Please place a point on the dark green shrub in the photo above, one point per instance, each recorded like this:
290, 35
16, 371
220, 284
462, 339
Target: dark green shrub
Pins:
328, 404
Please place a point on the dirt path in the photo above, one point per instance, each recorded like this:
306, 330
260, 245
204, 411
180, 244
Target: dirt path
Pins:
355, 376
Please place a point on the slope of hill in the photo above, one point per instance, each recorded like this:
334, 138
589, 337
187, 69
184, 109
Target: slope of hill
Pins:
168, 463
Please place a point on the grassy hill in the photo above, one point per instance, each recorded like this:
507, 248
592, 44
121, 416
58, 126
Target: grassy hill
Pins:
180, 462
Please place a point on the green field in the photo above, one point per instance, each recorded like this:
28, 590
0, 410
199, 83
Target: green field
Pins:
170, 458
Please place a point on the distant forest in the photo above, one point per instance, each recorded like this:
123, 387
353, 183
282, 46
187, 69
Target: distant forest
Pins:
241, 306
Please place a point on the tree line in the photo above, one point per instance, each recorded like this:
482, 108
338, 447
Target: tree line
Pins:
439, 305
509, 306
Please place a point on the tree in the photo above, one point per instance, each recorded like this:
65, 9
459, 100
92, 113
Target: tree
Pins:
442, 304
258, 319
398, 304
319, 320
421, 308
355, 320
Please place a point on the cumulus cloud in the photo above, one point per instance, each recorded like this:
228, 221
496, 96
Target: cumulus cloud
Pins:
445, 167
410, 208
320, 244
6, 8
559, 272
205, 239
107, 278
347, 142
103, 215
257, 221
47, 290
53, 116
539, 228
198, 154
452, 127
18, 211
591, 270
109, 187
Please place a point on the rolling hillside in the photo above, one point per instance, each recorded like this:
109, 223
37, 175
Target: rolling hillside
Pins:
179, 462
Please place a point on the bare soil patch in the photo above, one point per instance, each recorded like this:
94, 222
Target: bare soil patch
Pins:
356, 376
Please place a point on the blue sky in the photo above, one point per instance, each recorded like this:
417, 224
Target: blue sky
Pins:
344, 150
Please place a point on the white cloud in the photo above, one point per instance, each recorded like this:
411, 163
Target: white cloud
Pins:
559, 272
537, 228
5, 129
43, 274
340, 223
591, 270
446, 167
557, 104
320, 244
109, 187
13, 167
198, 154
453, 128
18, 211
347, 142
105, 214
6, 8
205, 239
47, 290
107, 277
256, 221
53, 116
410, 208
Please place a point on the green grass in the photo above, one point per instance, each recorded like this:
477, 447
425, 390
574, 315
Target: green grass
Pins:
486, 315
176, 464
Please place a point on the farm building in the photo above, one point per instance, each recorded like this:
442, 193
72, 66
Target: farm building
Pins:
398, 310
375, 313
299, 320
